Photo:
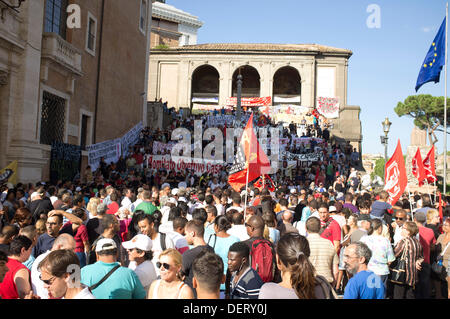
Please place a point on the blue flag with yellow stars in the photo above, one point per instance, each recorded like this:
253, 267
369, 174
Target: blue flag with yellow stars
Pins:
434, 61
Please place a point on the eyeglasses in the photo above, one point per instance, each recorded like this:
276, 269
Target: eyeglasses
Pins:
165, 265
399, 218
47, 281
349, 257
51, 224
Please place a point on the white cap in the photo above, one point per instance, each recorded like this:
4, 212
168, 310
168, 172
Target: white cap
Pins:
332, 209
142, 242
182, 199
105, 244
78, 189
174, 191
293, 191
33, 195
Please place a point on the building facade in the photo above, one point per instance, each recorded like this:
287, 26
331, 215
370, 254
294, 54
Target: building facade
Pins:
296, 73
71, 71
173, 27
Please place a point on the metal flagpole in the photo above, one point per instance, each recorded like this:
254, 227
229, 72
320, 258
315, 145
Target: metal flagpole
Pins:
445, 102
246, 184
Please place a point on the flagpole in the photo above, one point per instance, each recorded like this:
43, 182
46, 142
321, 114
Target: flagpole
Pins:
246, 184
445, 103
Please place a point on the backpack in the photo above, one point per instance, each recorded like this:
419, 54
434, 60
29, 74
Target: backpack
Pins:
162, 239
262, 257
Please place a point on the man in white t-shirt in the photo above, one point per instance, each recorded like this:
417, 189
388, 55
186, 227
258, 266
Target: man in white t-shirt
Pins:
60, 286
140, 255
127, 200
63, 241
238, 229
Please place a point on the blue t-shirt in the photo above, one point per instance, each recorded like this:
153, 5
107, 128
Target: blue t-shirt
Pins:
221, 247
122, 284
380, 208
364, 285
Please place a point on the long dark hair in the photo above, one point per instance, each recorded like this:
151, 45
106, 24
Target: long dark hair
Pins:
293, 252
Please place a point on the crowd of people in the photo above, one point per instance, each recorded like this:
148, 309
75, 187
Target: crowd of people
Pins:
129, 232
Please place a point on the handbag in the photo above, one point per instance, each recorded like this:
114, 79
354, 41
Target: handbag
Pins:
398, 269
437, 267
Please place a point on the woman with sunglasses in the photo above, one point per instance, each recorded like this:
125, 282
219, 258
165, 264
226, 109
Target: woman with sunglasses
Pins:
170, 286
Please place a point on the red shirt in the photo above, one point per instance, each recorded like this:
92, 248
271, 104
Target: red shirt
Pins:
8, 289
426, 238
332, 232
139, 158
112, 208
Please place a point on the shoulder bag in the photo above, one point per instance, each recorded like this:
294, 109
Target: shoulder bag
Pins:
398, 268
91, 288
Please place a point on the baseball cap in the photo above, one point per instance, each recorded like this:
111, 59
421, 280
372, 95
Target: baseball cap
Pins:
140, 241
332, 209
174, 191
420, 217
105, 244
165, 185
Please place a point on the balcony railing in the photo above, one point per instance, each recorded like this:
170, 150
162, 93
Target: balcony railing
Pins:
56, 48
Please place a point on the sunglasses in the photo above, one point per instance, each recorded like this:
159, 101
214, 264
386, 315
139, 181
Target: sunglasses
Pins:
47, 281
400, 218
165, 265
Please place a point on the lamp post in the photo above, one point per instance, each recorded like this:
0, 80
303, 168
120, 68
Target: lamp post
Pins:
384, 139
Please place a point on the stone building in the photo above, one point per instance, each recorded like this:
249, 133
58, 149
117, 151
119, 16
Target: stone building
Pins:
296, 72
74, 84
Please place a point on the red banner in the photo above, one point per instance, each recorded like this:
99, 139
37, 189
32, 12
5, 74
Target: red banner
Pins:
250, 101
429, 166
395, 175
418, 169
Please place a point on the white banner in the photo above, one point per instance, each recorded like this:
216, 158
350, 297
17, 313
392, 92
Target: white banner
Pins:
131, 138
162, 147
110, 150
198, 165
279, 99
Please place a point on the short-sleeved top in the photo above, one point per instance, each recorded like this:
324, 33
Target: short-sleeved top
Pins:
382, 254
332, 232
80, 237
122, 284
426, 238
94, 229
271, 290
352, 207
379, 208
8, 289
188, 259
145, 271
248, 285
446, 258
147, 207
323, 256
44, 243
364, 285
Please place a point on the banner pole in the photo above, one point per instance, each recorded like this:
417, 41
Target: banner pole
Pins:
410, 203
445, 102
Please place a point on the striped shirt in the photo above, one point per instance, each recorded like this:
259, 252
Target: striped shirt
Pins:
323, 256
248, 285
414, 252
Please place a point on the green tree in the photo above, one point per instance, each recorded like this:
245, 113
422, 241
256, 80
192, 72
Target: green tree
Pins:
379, 168
427, 112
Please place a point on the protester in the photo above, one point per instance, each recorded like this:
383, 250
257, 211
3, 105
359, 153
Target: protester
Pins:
122, 283
140, 255
298, 276
170, 286
3, 267
55, 274
443, 256
208, 271
364, 284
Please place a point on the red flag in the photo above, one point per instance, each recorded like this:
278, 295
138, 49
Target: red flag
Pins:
429, 166
418, 169
395, 175
250, 156
267, 183
441, 215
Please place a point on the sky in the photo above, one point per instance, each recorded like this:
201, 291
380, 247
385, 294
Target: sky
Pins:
386, 57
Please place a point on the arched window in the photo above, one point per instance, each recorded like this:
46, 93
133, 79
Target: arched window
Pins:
287, 86
205, 85
250, 81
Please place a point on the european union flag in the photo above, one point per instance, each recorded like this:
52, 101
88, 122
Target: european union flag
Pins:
434, 61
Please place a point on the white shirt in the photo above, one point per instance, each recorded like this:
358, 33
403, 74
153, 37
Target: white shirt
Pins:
157, 249
84, 294
146, 272
126, 202
36, 283
136, 203
240, 231
239, 209
53, 199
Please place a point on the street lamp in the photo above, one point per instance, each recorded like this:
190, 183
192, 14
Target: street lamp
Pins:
238, 98
384, 139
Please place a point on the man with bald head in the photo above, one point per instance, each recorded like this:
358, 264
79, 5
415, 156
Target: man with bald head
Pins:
63, 241
255, 229
286, 225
